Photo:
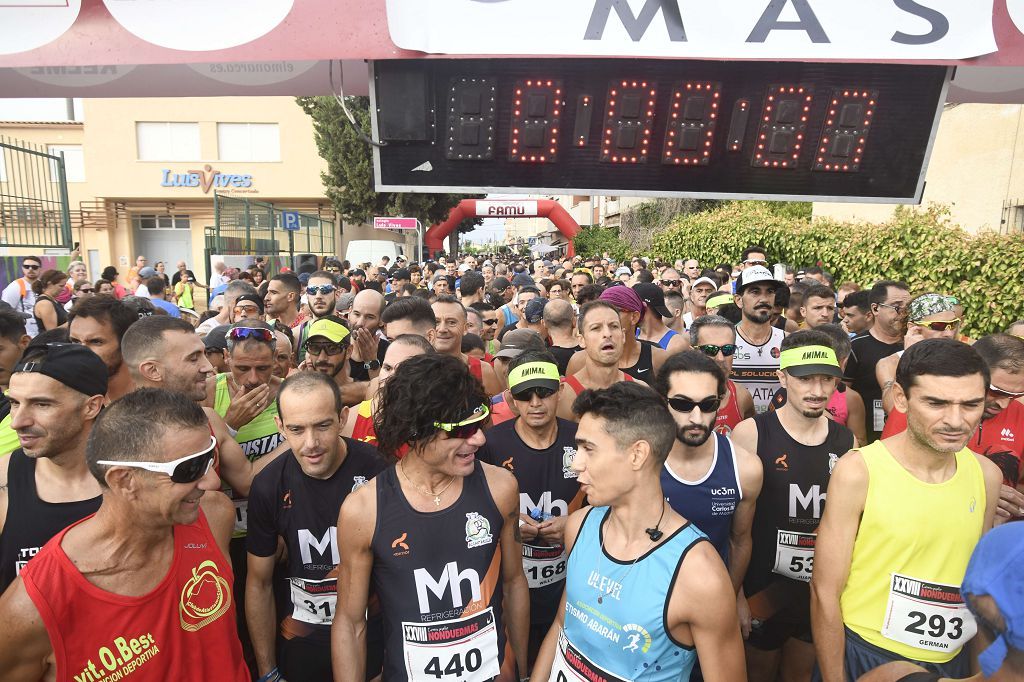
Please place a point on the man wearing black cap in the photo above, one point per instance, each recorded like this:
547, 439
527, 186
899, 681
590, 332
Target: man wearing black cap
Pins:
758, 343
56, 393
99, 323
399, 278
533, 317
652, 328
216, 344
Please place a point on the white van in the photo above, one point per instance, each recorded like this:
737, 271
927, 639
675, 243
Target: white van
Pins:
372, 250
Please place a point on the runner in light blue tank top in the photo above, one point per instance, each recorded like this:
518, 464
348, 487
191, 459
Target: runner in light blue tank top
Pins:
614, 611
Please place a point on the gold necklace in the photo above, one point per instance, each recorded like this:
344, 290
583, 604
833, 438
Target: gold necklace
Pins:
428, 493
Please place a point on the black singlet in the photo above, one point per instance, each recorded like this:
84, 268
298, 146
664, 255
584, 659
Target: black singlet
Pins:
789, 508
547, 487
643, 370
31, 522
284, 502
438, 577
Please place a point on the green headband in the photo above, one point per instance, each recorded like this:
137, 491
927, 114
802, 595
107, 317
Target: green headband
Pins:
531, 371
719, 300
808, 355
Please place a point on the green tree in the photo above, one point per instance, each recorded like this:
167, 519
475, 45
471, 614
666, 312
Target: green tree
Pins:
348, 179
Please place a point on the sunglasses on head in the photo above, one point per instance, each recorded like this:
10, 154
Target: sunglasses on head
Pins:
468, 427
939, 326
526, 395
322, 289
685, 405
317, 347
671, 282
712, 350
187, 469
257, 333
29, 266
1003, 394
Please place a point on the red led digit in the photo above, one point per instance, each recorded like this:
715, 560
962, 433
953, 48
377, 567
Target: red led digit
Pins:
782, 126
845, 133
628, 120
537, 105
690, 131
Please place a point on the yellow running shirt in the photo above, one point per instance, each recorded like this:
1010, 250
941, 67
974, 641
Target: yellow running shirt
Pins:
910, 555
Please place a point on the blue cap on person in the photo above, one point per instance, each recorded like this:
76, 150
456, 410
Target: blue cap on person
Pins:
994, 570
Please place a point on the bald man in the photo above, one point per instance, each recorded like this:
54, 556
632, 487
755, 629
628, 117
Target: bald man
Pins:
368, 342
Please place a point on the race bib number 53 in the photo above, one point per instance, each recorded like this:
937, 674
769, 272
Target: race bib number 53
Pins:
794, 555
928, 616
463, 649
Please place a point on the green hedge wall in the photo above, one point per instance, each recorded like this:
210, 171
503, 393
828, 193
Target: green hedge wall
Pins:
918, 246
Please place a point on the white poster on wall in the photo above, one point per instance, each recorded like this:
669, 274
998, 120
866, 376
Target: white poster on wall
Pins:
737, 29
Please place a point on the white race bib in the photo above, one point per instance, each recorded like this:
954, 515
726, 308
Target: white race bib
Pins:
878, 414
928, 616
314, 601
570, 665
794, 555
543, 565
241, 518
463, 649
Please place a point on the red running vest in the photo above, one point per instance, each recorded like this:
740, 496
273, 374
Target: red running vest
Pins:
184, 629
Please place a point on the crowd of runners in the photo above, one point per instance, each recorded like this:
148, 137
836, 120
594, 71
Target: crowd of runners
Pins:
505, 468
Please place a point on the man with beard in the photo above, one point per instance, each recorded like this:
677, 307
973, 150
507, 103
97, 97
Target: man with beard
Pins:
450, 320
164, 352
903, 517
538, 448
715, 336
758, 343
328, 347
602, 339
284, 293
798, 446
295, 501
706, 478
56, 393
368, 346
322, 297
99, 324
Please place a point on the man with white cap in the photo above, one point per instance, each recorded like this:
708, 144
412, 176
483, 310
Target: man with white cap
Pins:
700, 290
757, 341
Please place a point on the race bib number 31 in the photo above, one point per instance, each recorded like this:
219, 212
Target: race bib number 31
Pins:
794, 555
463, 649
314, 601
928, 616
570, 665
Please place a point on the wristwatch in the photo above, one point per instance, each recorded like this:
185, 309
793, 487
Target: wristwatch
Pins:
372, 365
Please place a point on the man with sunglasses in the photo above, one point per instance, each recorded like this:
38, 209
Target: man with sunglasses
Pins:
670, 280
314, 476
328, 348
56, 392
754, 255
19, 295
889, 302
437, 536
715, 337
322, 294
145, 583
798, 446
706, 478
903, 516
538, 448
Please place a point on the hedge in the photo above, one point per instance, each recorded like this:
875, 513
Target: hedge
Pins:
919, 246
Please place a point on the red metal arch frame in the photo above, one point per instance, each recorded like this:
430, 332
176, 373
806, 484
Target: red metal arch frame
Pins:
467, 208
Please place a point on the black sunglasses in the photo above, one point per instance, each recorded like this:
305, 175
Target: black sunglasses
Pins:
685, 405
711, 350
329, 348
29, 267
526, 395
490, 322
670, 282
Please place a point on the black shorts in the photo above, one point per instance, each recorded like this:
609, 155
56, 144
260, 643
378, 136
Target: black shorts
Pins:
772, 634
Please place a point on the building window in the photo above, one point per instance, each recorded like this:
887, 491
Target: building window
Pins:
167, 141
161, 222
74, 162
249, 142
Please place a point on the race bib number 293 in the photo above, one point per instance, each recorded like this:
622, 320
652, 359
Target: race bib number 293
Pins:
928, 616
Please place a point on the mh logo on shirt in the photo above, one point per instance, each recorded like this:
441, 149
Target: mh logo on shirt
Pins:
308, 542
451, 580
546, 504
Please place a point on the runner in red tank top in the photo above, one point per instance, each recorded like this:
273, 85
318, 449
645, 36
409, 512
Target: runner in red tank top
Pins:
729, 414
450, 316
142, 590
715, 336
602, 339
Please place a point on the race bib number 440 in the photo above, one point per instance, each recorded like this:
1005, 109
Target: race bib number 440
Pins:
794, 555
928, 616
463, 649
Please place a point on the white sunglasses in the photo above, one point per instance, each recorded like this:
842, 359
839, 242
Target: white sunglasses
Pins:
187, 469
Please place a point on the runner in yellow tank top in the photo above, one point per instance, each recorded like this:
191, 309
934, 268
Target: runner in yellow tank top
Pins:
902, 519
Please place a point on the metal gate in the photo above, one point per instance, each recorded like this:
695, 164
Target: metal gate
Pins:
34, 210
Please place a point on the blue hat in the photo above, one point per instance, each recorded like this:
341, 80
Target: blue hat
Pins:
994, 570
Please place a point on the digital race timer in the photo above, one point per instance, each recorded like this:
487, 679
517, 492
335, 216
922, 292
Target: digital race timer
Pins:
807, 131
